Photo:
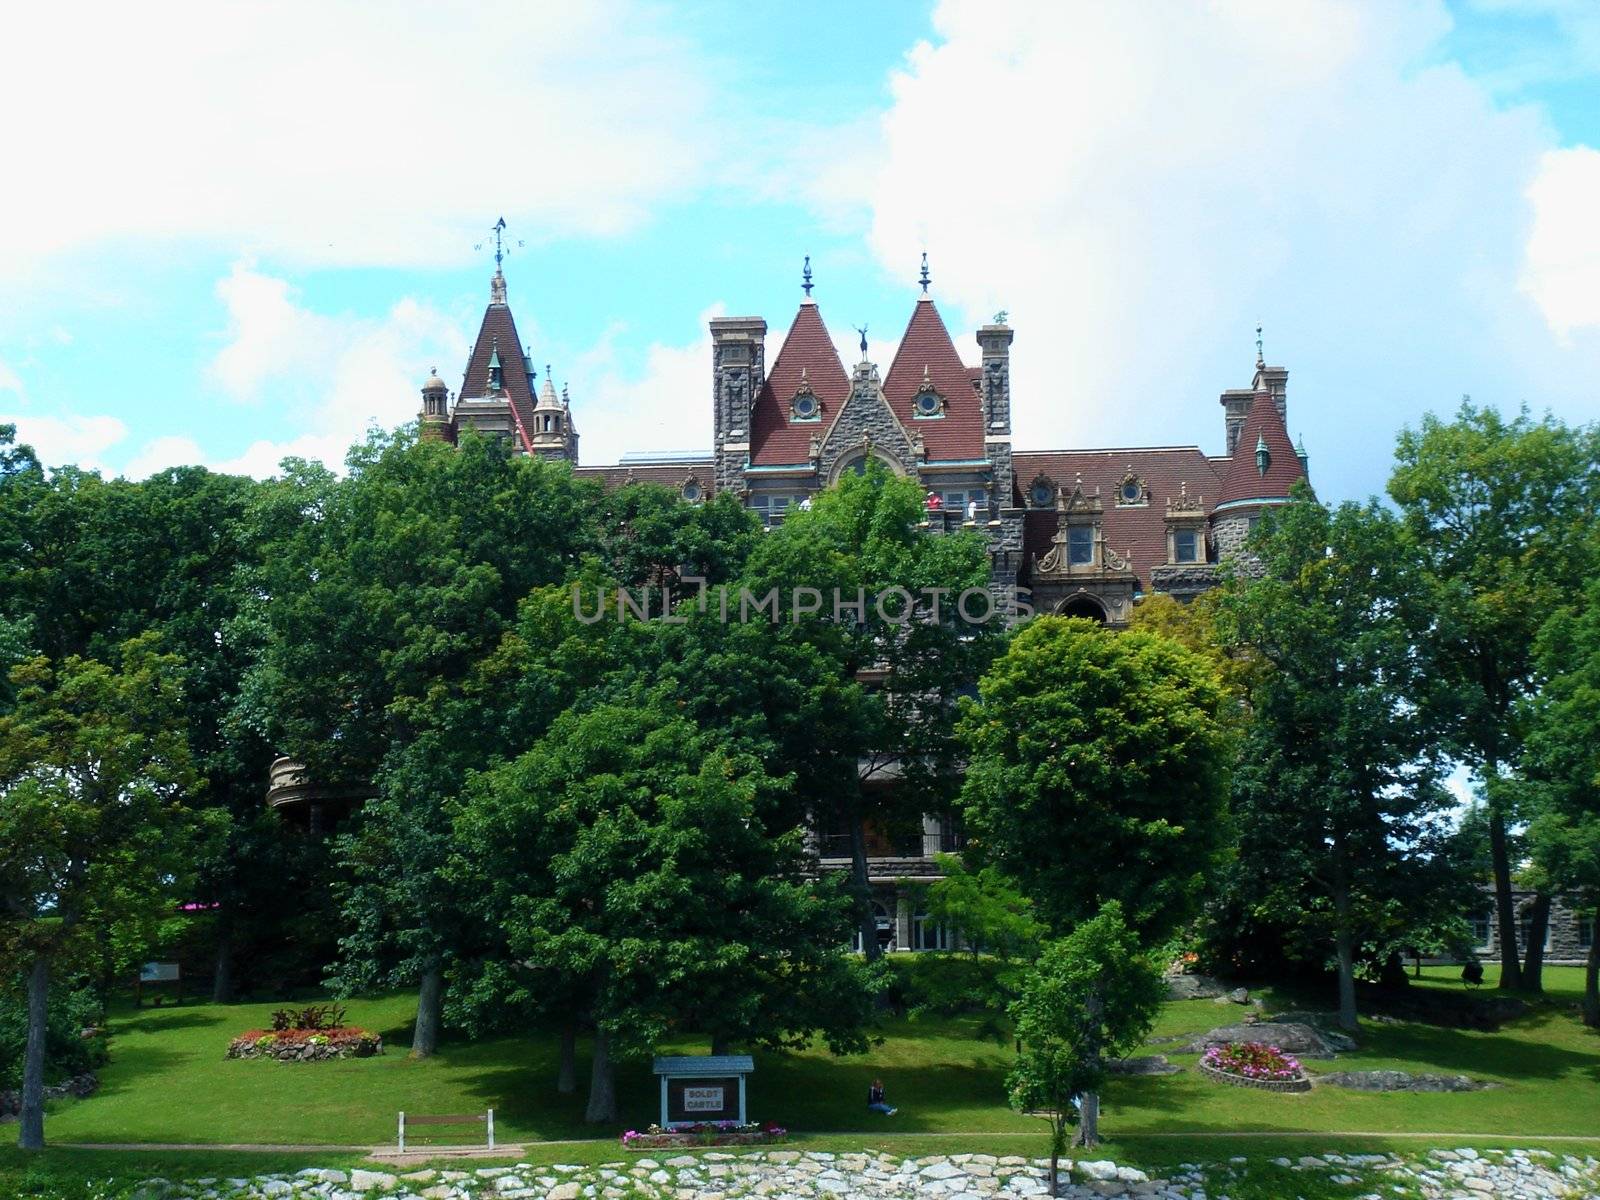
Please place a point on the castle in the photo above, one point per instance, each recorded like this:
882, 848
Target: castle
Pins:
1087, 531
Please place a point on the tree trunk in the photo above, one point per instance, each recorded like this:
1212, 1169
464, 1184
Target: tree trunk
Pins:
1538, 930
1089, 1122
602, 1084
1591, 976
567, 1073
1344, 943
430, 1000
721, 1044
1089, 1114
31, 1134
1058, 1142
222, 976
1505, 913
863, 889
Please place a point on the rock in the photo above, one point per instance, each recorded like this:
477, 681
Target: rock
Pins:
1400, 1081
1149, 1064
1300, 1040
366, 1181
1099, 1169
1240, 995
1193, 987
566, 1191
940, 1170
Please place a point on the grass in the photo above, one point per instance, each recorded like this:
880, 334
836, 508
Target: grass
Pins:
168, 1082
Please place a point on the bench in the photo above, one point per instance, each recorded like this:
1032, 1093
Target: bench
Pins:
485, 1119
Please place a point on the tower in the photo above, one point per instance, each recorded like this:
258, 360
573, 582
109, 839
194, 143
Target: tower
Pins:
435, 414
738, 368
1262, 470
553, 436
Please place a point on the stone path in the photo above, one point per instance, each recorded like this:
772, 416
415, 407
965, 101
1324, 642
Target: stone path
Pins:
815, 1175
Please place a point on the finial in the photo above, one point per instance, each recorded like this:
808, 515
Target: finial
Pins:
862, 330
926, 381
565, 403
924, 280
497, 285
1260, 358
547, 372
805, 276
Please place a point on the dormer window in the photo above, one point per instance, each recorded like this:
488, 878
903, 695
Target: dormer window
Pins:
1186, 545
691, 491
1042, 493
1080, 545
927, 403
1131, 491
804, 405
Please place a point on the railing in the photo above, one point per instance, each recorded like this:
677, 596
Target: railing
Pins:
922, 846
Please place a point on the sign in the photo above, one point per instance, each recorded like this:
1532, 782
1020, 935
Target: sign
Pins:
157, 972
703, 1099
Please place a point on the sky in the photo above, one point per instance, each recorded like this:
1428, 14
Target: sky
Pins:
237, 232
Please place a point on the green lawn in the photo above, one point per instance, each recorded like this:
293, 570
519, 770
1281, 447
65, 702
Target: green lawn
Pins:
168, 1082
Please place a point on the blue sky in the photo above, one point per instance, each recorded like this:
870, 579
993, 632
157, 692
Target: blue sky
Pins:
249, 231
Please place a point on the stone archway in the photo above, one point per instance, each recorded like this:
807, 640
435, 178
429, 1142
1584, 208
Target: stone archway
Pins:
1083, 605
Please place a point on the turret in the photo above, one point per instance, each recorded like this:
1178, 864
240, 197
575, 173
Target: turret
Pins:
435, 414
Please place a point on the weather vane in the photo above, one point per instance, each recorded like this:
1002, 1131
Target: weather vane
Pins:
500, 250
862, 330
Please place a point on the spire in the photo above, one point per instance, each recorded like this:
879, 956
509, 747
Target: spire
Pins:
924, 280
497, 284
805, 277
496, 373
1264, 465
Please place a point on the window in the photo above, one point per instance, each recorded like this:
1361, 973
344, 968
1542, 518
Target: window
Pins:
929, 404
691, 491
1186, 545
769, 506
1586, 932
1080, 545
1042, 495
1132, 491
928, 934
806, 407
1482, 929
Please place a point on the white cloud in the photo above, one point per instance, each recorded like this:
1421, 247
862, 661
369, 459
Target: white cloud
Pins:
10, 381
331, 376
1562, 269
68, 439
665, 406
173, 450
340, 133
1140, 184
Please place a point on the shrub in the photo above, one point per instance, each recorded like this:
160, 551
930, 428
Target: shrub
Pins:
313, 1016
66, 1051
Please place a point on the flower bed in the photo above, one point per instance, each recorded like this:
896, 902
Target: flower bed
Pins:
704, 1133
306, 1045
1255, 1065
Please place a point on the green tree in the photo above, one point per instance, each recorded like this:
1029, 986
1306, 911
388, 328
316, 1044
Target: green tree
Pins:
381, 610
94, 834
1497, 513
1109, 749
1563, 763
1337, 778
859, 704
628, 858
1093, 996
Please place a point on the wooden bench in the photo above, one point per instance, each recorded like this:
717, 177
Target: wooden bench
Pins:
485, 1119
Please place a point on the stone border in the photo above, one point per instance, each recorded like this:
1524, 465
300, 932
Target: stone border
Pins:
663, 1141
1303, 1084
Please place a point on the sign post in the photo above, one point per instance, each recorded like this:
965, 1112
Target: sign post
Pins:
703, 1088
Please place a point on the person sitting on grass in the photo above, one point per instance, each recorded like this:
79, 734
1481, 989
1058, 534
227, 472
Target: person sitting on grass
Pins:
875, 1101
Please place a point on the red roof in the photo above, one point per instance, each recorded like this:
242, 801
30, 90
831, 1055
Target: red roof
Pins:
1244, 480
1137, 532
499, 330
927, 346
775, 440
